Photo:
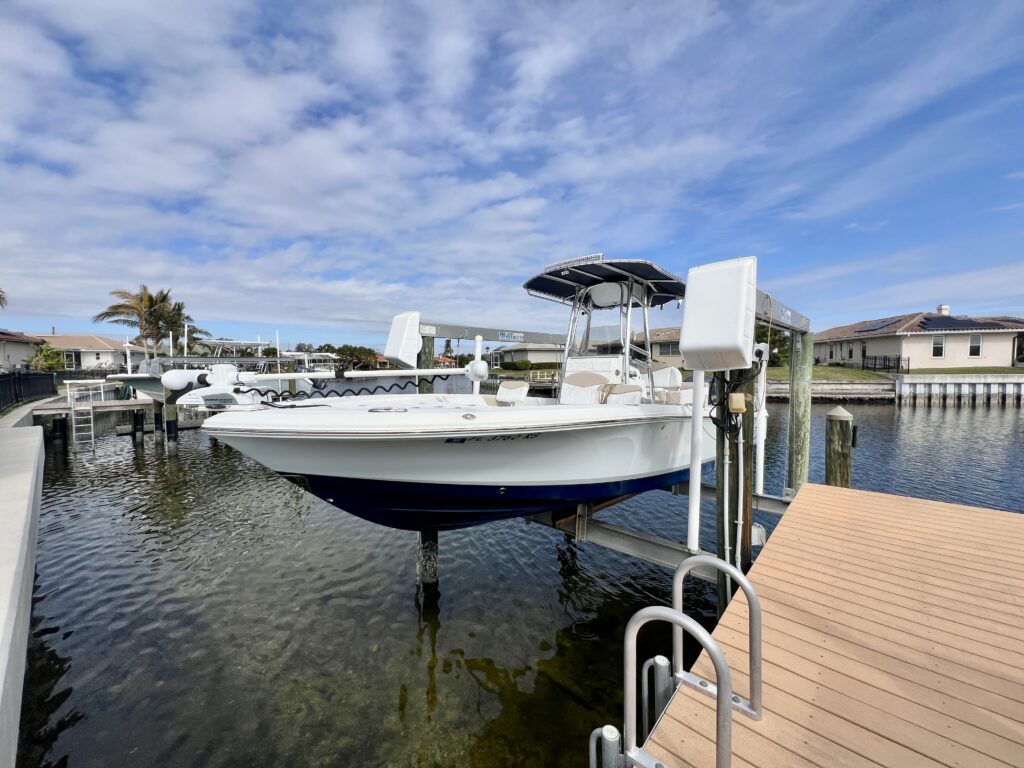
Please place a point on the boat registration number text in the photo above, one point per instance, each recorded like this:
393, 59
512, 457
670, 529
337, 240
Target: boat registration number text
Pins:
492, 438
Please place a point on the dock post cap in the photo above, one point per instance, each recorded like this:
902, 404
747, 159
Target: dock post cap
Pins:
839, 414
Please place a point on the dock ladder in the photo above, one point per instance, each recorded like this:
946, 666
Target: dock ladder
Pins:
81, 396
616, 752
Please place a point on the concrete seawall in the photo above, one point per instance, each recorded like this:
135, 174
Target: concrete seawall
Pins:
960, 389
881, 390
21, 482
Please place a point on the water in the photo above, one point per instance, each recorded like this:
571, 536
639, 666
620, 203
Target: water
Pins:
198, 611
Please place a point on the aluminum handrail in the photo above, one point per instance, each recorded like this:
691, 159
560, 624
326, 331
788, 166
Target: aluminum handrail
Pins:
754, 706
723, 710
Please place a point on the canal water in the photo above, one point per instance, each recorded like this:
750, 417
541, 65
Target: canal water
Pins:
198, 611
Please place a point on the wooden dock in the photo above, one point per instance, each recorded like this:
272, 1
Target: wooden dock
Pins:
893, 636
60, 406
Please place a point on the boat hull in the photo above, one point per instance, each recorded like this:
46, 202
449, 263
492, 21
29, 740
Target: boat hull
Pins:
438, 506
475, 472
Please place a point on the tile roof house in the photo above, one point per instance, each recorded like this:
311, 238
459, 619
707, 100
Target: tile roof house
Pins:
923, 340
16, 349
86, 351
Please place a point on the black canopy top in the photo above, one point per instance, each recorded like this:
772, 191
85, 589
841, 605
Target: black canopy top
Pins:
561, 281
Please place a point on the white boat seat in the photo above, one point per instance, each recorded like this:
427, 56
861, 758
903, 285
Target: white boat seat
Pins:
512, 392
622, 394
672, 395
666, 375
582, 388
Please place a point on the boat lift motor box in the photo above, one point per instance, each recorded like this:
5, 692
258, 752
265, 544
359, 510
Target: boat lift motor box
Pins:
404, 340
718, 315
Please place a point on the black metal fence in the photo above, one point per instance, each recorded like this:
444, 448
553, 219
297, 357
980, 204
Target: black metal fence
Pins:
889, 364
22, 385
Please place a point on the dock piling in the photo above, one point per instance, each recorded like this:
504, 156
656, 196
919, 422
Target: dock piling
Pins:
158, 420
59, 429
426, 360
170, 422
838, 447
138, 426
801, 361
427, 563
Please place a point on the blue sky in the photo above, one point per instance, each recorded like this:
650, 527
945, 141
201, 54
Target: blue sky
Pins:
319, 167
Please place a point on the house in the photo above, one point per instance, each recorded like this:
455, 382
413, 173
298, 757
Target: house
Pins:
664, 346
87, 351
16, 349
923, 340
443, 361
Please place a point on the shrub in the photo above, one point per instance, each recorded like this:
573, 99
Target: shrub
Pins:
546, 366
523, 365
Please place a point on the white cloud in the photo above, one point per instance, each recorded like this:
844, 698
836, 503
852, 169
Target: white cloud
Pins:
345, 165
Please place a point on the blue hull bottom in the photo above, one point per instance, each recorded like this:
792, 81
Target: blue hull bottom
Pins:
433, 506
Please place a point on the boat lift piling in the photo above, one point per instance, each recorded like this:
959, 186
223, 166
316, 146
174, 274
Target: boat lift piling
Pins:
171, 421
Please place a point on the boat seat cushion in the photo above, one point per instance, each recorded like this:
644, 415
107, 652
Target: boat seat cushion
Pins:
622, 394
582, 388
510, 392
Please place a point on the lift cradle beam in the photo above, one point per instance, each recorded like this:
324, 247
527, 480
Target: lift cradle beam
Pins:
769, 310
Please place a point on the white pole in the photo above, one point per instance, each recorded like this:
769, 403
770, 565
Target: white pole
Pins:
760, 428
170, 344
185, 343
738, 548
696, 447
128, 353
725, 495
478, 353
277, 341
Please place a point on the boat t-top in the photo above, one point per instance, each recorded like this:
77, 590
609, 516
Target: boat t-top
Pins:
620, 423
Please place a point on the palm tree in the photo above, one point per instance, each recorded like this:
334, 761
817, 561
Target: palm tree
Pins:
173, 319
141, 310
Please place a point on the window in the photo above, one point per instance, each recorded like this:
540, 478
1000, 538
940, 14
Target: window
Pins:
831, 353
671, 348
851, 351
938, 346
97, 355
975, 350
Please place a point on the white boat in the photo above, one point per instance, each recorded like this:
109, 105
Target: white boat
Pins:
620, 424
148, 378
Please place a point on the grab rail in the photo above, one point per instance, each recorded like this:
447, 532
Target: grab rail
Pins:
636, 756
754, 706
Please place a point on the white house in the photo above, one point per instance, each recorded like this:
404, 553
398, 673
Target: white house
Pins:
86, 351
16, 349
924, 340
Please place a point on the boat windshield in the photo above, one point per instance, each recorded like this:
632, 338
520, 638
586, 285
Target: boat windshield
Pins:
597, 333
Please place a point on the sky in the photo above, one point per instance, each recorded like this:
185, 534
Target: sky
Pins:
315, 168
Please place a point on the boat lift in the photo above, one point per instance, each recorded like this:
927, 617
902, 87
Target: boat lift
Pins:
411, 340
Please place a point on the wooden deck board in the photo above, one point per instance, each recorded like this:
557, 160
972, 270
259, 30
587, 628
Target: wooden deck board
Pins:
868, 658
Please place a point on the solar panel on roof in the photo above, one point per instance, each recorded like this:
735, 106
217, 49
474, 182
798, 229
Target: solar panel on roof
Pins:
949, 323
879, 324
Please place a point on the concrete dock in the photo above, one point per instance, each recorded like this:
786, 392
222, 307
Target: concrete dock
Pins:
893, 636
21, 467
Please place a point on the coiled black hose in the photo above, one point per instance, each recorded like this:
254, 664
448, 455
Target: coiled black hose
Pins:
380, 389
